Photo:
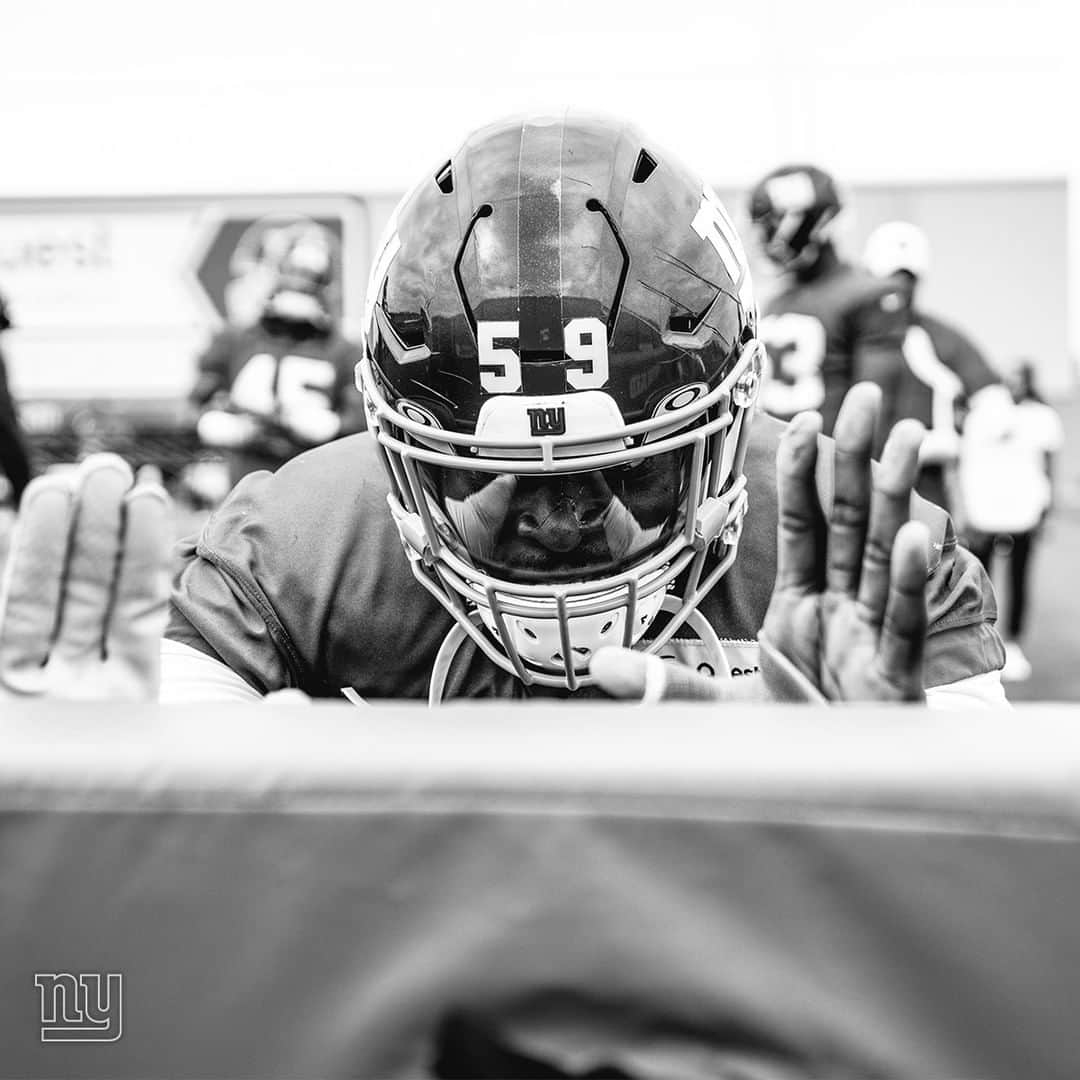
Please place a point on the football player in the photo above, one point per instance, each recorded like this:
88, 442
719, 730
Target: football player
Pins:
563, 490
267, 391
829, 324
947, 376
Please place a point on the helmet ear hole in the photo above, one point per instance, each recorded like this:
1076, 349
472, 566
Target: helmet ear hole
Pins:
444, 178
644, 168
607, 626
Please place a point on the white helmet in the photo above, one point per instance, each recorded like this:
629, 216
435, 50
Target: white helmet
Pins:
897, 245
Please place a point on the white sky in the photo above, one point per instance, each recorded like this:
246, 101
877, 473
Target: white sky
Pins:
128, 97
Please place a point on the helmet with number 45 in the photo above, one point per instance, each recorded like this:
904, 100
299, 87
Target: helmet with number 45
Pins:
561, 368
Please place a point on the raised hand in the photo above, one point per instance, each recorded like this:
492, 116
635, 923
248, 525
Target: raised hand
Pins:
847, 618
86, 586
861, 637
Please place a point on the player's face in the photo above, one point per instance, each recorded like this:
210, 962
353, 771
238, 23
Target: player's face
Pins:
904, 282
567, 526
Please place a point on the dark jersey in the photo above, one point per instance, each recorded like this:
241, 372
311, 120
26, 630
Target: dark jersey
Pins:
826, 333
299, 580
962, 371
264, 374
943, 370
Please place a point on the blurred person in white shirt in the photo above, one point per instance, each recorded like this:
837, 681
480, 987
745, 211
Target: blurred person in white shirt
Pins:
1006, 477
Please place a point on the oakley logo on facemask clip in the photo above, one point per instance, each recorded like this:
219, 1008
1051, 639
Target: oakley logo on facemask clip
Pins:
547, 421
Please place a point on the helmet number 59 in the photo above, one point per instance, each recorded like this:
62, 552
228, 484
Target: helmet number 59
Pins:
585, 343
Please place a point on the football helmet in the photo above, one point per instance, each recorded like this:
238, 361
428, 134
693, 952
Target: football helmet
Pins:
282, 254
793, 208
560, 370
303, 279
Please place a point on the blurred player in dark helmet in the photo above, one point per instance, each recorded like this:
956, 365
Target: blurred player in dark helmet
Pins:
947, 377
14, 459
563, 490
284, 384
830, 324
258, 257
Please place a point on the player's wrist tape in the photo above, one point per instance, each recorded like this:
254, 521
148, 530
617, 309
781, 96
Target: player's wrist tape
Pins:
621, 529
655, 680
786, 683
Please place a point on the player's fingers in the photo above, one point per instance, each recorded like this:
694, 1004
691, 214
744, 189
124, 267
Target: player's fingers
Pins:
903, 631
854, 435
481, 516
890, 507
142, 582
33, 577
644, 677
796, 459
149, 474
102, 482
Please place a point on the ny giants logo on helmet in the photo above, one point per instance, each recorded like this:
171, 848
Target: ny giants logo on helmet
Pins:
547, 421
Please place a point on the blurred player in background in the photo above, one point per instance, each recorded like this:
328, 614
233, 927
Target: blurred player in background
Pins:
285, 383
830, 324
946, 376
1006, 473
14, 459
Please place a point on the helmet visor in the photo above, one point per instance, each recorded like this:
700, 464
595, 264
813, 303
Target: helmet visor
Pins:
565, 526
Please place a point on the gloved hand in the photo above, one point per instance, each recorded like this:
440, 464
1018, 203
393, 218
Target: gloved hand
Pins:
86, 586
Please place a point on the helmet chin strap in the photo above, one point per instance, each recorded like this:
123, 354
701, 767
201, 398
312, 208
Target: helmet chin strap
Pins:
458, 635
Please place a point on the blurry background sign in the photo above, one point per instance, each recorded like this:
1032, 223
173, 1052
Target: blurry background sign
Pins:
101, 298
113, 299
